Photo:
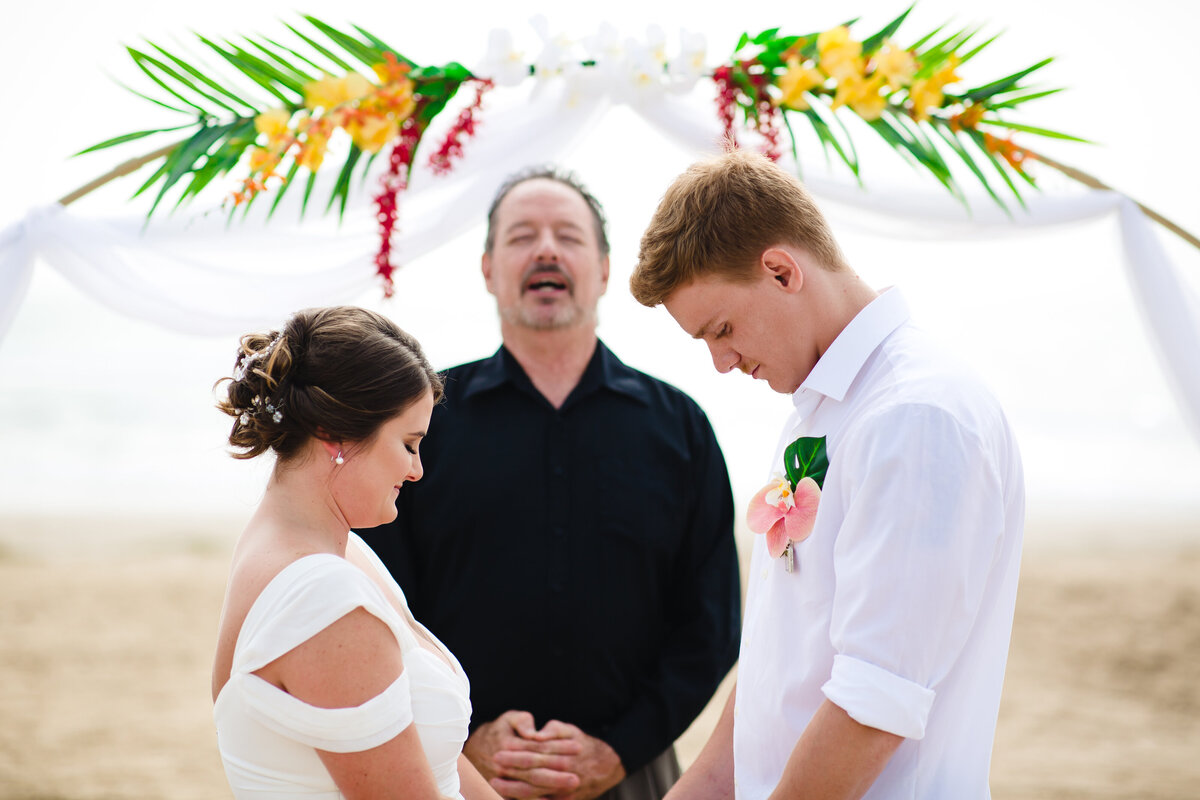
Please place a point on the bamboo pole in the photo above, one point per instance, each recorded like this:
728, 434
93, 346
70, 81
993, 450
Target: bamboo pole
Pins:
1096, 183
117, 172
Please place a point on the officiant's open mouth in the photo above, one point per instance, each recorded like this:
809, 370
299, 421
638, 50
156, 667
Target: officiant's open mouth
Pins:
547, 282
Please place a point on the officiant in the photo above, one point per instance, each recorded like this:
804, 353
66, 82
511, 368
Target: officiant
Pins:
572, 538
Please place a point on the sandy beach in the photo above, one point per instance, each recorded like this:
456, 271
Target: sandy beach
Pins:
108, 628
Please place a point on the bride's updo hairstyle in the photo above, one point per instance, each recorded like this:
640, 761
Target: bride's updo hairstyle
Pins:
333, 373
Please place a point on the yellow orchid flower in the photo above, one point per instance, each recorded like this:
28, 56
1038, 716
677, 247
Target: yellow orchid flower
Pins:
323, 93
795, 82
843, 63
969, 117
274, 123
390, 70
840, 56
947, 75
397, 99
834, 37
355, 86
870, 103
312, 152
261, 159
371, 133
329, 91
925, 94
896, 65
862, 95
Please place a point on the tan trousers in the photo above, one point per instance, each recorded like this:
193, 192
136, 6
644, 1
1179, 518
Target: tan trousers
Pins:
651, 782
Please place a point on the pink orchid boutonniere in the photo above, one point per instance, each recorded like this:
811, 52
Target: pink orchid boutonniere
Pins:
786, 508
784, 515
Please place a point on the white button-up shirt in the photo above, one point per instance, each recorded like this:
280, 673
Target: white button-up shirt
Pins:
900, 608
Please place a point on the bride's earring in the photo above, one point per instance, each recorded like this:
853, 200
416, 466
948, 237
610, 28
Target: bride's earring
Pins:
338, 459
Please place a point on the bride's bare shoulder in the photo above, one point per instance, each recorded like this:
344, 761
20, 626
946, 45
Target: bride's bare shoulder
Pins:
258, 557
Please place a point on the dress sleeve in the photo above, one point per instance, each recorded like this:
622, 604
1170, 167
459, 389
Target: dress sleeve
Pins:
923, 519
304, 599
338, 730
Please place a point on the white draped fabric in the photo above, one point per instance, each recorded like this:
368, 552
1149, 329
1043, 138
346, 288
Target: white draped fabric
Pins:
183, 272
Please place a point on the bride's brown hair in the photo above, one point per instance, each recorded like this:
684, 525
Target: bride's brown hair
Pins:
334, 373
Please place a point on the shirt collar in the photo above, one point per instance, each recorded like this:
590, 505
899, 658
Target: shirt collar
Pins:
840, 364
604, 369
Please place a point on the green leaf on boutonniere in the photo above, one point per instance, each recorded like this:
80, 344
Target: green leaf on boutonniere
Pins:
806, 458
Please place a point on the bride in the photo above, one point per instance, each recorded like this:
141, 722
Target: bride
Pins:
323, 683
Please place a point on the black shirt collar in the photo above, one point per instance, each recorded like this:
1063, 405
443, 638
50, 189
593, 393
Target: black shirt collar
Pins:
603, 370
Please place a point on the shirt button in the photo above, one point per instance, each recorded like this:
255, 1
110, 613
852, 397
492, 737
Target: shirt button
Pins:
558, 469
560, 532
764, 573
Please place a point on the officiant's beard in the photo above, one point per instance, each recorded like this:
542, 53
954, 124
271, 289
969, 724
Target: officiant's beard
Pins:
542, 319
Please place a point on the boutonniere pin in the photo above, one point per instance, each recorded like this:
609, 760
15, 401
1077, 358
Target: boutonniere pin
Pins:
786, 508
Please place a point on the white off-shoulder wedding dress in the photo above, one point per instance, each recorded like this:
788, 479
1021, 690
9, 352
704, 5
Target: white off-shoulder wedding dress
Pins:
268, 739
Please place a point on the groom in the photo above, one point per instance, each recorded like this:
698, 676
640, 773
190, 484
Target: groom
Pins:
873, 648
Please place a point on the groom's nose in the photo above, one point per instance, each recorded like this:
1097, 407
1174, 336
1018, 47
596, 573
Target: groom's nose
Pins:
724, 359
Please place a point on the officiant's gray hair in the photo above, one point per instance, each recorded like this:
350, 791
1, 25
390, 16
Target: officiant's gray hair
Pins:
719, 216
550, 173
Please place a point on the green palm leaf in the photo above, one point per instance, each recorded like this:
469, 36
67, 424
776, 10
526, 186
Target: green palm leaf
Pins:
945, 123
829, 140
873, 43
341, 189
955, 145
1016, 126
222, 112
130, 137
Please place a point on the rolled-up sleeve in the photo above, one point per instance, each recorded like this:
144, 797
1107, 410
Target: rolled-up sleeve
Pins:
923, 517
878, 698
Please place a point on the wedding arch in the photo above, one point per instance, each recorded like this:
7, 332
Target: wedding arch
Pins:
408, 156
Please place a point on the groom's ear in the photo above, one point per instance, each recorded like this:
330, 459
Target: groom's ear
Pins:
783, 269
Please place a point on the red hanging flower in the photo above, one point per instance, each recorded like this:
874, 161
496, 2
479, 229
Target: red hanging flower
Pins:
451, 148
394, 181
726, 102
762, 114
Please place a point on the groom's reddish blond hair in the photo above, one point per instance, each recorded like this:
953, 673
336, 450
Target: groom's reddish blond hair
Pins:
719, 216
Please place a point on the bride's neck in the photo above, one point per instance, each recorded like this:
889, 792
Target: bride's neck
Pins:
298, 503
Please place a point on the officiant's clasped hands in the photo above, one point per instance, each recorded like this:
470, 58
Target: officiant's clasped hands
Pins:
558, 760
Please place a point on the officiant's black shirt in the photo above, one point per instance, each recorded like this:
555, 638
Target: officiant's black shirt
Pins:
580, 561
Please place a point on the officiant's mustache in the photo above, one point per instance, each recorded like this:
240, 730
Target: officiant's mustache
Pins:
544, 271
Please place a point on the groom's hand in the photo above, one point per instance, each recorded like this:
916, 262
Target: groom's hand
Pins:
563, 748
514, 732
